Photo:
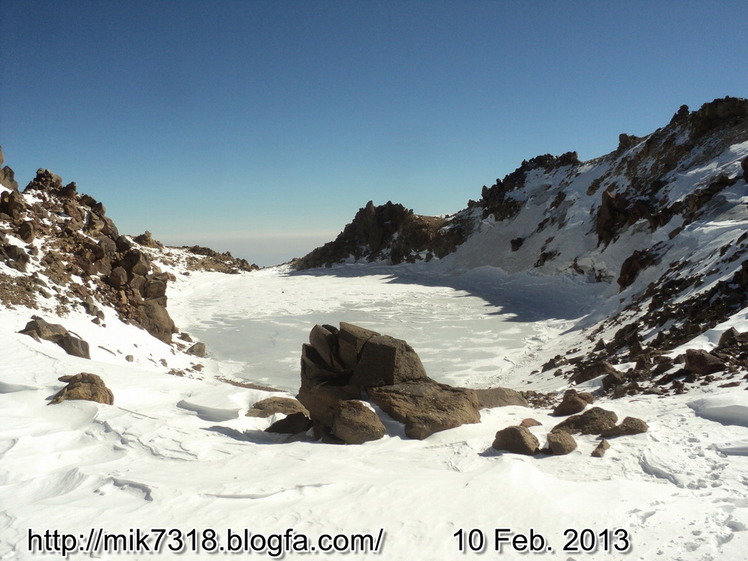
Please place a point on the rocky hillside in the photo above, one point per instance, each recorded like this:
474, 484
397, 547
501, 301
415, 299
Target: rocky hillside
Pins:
59, 251
662, 221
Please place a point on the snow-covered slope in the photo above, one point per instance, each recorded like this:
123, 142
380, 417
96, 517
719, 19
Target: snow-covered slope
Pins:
176, 460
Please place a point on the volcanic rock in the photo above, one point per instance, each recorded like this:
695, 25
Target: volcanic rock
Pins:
593, 421
561, 443
272, 405
516, 439
499, 397
629, 426
83, 386
355, 423
701, 362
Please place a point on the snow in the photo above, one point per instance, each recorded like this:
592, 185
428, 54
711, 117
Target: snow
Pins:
179, 452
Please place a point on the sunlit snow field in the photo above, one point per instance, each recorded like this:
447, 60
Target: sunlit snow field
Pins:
472, 334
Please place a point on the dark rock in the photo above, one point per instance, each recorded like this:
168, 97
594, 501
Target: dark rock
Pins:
40, 329
595, 370
500, 397
117, 278
198, 349
272, 405
351, 341
12, 203
613, 379
561, 443
571, 403
593, 421
325, 342
74, 346
135, 263
355, 423
633, 265
294, 423
83, 386
8, 178
386, 361
426, 406
321, 400
27, 232
157, 321
516, 243
600, 449
518, 440
629, 426
701, 362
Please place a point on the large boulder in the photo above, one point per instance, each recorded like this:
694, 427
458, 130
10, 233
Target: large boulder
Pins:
83, 386
386, 361
516, 439
572, 403
426, 406
340, 365
354, 422
629, 426
593, 421
56, 333
488, 398
561, 443
701, 362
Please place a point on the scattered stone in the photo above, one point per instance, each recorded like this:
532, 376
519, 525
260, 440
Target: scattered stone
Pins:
185, 337
595, 370
529, 422
130, 358
272, 405
518, 440
500, 397
572, 403
294, 423
198, 349
629, 426
355, 423
599, 451
83, 386
56, 333
593, 421
561, 443
613, 379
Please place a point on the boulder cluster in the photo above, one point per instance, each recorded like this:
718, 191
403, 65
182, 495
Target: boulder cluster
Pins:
81, 241
341, 367
519, 439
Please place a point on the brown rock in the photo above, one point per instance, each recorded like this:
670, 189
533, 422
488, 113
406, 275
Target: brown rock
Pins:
516, 439
272, 405
529, 422
198, 349
571, 403
613, 379
351, 340
84, 386
561, 443
157, 321
321, 400
595, 370
599, 451
629, 426
325, 342
74, 346
294, 423
593, 421
426, 407
386, 361
701, 362
355, 423
117, 278
500, 397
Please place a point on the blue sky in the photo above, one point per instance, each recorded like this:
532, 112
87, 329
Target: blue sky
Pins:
261, 127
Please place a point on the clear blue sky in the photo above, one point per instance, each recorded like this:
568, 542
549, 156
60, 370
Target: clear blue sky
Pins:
261, 127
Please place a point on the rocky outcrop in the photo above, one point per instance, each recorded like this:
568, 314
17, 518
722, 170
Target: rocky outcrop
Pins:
392, 233
83, 386
342, 365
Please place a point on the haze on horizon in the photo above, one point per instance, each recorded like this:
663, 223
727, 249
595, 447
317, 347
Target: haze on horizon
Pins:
261, 127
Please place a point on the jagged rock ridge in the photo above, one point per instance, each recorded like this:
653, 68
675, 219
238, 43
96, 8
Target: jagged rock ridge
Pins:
662, 220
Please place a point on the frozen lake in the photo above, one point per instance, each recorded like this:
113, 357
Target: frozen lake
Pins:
462, 338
